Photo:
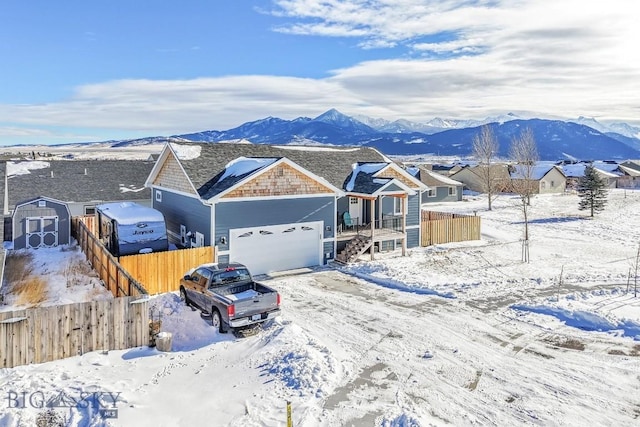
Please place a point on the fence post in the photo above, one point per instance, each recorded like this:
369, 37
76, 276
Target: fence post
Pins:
289, 419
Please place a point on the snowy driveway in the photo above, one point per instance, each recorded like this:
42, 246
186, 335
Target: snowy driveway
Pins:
402, 358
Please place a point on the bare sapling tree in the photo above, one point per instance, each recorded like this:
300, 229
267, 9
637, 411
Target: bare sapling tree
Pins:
524, 154
485, 151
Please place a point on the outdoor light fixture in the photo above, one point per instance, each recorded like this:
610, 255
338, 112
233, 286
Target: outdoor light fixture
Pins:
223, 240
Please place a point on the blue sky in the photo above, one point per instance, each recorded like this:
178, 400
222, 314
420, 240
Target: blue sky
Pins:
77, 71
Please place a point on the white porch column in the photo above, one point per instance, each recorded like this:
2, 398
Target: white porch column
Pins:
405, 208
372, 207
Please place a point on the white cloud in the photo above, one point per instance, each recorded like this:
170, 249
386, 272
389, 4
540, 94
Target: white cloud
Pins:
543, 57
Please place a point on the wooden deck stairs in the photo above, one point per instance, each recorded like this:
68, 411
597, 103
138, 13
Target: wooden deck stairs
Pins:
355, 247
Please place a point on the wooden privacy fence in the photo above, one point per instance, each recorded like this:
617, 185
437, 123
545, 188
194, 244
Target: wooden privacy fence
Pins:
115, 278
152, 273
442, 227
161, 272
43, 334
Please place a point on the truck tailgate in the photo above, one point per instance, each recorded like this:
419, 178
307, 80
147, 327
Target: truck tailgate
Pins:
251, 302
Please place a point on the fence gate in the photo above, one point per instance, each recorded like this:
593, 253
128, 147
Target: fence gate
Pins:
42, 232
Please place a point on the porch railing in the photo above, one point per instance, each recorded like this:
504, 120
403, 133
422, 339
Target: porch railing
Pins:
389, 222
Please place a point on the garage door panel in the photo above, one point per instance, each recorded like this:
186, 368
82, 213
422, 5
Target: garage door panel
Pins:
277, 248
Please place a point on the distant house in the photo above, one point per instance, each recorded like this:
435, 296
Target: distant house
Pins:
473, 177
544, 178
282, 207
629, 174
446, 170
607, 171
79, 184
440, 188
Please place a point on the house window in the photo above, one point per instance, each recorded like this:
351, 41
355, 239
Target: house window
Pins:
431, 192
89, 210
353, 200
553, 183
158, 196
543, 184
397, 205
452, 191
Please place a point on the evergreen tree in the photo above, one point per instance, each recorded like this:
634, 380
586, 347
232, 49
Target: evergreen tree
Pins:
592, 191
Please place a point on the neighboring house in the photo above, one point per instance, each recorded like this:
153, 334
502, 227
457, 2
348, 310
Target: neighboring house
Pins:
607, 171
629, 174
40, 222
446, 170
282, 207
79, 184
440, 188
473, 177
544, 178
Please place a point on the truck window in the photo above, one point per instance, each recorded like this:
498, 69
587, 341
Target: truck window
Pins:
230, 276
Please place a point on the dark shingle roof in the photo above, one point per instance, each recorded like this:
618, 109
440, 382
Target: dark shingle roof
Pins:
83, 181
333, 164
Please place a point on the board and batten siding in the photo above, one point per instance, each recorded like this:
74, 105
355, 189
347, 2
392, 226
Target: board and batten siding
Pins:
413, 210
179, 210
413, 237
255, 213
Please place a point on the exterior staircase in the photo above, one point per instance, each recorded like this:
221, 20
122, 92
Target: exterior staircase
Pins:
355, 247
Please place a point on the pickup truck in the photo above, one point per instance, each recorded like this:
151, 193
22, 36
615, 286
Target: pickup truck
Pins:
228, 293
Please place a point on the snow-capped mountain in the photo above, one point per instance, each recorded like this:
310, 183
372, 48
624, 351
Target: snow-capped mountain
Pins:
556, 139
623, 129
584, 139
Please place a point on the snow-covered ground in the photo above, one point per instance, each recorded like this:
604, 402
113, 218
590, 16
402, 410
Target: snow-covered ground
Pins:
458, 334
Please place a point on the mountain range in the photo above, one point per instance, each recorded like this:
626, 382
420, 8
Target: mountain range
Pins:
580, 139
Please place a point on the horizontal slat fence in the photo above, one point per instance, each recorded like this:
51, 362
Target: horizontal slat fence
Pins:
161, 272
443, 227
43, 334
114, 277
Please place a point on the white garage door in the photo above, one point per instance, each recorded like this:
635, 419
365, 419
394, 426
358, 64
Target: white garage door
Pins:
277, 247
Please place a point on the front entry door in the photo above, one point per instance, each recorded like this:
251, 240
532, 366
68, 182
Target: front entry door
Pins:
355, 210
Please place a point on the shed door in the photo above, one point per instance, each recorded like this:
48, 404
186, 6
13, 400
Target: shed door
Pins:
277, 247
42, 232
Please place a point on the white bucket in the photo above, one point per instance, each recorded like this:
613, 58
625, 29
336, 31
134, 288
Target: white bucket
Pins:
163, 341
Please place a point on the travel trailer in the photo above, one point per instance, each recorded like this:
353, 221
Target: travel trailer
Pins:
129, 228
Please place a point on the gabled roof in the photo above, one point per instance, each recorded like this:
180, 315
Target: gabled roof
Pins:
78, 180
537, 171
243, 169
633, 164
577, 170
499, 171
434, 179
629, 171
204, 163
33, 199
234, 172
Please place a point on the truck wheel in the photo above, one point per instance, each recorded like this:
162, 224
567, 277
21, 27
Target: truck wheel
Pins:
216, 320
183, 296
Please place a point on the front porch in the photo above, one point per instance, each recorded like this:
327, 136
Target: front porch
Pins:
356, 237
379, 230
